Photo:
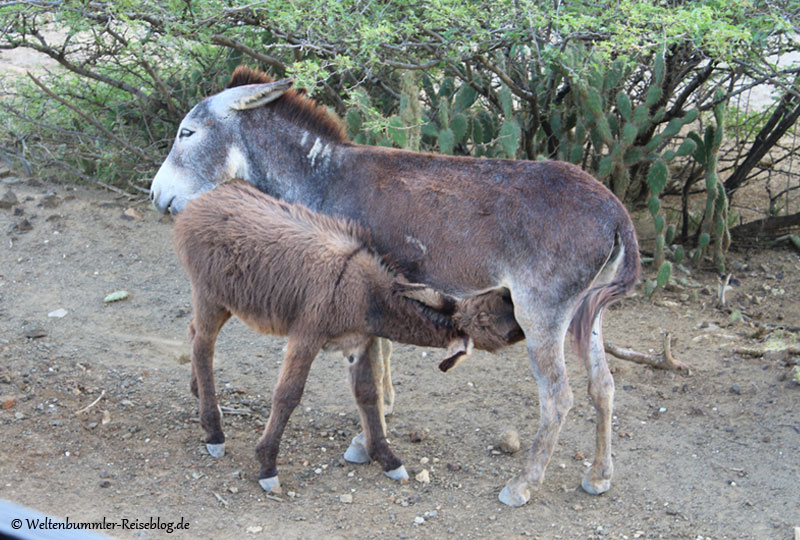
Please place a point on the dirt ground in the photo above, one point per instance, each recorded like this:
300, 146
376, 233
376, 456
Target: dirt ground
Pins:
707, 455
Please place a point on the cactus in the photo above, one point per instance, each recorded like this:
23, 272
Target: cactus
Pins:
715, 218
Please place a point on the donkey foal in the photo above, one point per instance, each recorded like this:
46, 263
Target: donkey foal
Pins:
284, 270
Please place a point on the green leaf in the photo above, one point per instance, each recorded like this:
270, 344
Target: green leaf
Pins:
641, 116
659, 223
659, 69
686, 148
465, 97
444, 113
447, 88
604, 168
624, 106
594, 103
654, 93
353, 120
510, 134
446, 141
398, 132
575, 154
657, 177
430, 129
663, 274
629, 133
679, 254
654, 205
669, 155
506, 101
673, 127
669, 236
477, 131
703, 241
459, 126
604, 131
690, 117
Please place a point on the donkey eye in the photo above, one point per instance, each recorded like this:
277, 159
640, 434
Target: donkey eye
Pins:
185, 132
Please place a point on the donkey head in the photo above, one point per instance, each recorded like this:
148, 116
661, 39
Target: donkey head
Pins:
209, 149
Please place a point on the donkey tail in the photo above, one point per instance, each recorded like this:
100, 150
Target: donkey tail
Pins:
611, 288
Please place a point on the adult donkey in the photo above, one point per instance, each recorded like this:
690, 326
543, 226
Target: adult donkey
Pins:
549, 233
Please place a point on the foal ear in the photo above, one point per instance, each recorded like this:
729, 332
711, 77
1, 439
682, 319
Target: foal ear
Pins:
261, 94
424, 295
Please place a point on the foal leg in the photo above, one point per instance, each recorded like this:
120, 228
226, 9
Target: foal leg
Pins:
371, 444
203, 331
388, 390
546, 349
601, 389
285, 398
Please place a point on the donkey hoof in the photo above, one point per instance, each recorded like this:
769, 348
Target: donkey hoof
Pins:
595, 487
514, 497
271, 485
357, 452
399, 474
216, 450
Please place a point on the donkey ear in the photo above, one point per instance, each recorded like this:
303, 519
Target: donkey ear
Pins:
424, 295
262, 94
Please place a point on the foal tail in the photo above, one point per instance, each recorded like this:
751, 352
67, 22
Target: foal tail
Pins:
606, 293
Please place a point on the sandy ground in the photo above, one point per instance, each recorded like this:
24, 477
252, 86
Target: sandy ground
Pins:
711, 455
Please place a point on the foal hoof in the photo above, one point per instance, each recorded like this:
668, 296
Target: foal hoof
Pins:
357, 452
271, 485
216, 450
399, 474
595, 487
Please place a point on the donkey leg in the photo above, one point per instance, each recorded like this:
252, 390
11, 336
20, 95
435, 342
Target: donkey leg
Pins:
388, 389
362, 383
204, 330
601, 389
546, 350
285, 397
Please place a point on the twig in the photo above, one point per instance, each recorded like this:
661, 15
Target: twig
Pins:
92, 404
723, 288
89, 119
758, 353
273, 497
219, 498
665, 360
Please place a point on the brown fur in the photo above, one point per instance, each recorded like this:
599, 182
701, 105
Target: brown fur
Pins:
284, 270
294, 105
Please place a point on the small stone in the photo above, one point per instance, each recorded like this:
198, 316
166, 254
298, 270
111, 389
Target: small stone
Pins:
8, 200
346, 498
735, 389
7, 404
34, 331
509, 441
233, 489
58, 314
419, 520
18, 416
105, 484
22, 226
579, 456
424, 477
51, 200
92, 425
416, 436
424, 461
255, 530
130, 214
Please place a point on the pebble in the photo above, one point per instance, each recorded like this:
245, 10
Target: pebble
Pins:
255, 530
419, 520
346, 498
416, 436
423, 477
58, 314
34, 331
509, 441
8, 200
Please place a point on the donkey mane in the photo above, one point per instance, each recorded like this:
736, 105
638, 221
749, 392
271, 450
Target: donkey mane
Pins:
294, 105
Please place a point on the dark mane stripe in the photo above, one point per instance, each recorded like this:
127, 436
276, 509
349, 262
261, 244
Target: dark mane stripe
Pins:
294, 106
